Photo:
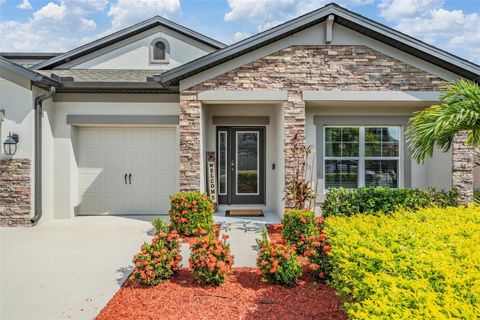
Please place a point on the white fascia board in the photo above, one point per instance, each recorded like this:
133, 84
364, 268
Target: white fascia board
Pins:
400, 96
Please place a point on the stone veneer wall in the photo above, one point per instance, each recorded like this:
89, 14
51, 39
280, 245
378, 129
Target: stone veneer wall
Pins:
15, 192
297, 68
462, 168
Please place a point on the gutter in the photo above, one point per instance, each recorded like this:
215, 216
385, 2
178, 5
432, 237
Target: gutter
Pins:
38, 107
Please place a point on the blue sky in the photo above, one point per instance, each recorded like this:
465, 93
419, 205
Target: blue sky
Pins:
60, 25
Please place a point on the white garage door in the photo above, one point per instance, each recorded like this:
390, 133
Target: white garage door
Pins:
127, 170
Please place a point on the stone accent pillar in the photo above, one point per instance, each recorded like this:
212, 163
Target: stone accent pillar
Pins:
294, 123
15, 192
189, 141
462, 168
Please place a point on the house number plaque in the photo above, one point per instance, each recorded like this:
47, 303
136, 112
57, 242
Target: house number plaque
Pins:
212, 176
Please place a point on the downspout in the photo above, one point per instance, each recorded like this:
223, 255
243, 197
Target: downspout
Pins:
38, 154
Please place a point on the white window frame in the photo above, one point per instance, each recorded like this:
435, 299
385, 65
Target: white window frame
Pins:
361, 158
152, 51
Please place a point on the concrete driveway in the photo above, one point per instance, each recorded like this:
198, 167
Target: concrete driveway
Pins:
66, 269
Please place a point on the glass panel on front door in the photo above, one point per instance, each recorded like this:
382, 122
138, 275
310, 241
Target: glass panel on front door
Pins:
247, 162
241, 165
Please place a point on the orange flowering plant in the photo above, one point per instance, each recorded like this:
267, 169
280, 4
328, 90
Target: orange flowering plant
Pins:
278, 263
298, 227
211, 260
159, 260
317, 255
190, 211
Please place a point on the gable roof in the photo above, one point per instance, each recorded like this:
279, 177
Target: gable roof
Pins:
343, 17
124, 34
38, 79
29, 55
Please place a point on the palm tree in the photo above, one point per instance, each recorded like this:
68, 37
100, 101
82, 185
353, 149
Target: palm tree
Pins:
437, 125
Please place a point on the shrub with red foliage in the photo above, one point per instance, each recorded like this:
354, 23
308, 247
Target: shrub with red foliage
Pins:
211, 260
159, 260
278, 263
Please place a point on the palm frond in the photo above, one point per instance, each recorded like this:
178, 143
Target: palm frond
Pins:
437, 125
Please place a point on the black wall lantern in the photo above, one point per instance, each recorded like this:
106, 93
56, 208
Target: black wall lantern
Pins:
10, 145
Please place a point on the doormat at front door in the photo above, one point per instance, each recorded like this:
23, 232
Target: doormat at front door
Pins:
244, 213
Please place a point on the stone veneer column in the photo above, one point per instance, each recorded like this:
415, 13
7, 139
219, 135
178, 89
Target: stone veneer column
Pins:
15, 192
294, 122
189, 141
462, 168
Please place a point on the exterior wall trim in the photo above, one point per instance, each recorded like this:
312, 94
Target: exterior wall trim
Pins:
244, 120
74, 119
322, 121
400, 96
236, 95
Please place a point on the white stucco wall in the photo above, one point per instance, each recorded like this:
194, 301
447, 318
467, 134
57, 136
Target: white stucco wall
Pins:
274, 149
16, 98
134, 52
435, 172
65, 164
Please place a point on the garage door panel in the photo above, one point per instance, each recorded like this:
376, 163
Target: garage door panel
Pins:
91, 180
114, 203
106, 154
91, 204
115, 181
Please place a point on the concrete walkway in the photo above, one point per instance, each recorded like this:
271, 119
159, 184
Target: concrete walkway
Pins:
71, 268
66, 269
243, 233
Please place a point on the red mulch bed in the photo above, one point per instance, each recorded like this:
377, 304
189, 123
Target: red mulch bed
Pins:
191, 239
275, 232
242, 296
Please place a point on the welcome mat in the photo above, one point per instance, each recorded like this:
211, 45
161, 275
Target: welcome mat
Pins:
244, 213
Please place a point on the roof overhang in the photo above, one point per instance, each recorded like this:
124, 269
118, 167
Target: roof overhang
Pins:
37, 79
343, 17
124, 34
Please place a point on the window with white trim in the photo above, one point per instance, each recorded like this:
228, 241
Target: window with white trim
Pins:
159, 51
358, 156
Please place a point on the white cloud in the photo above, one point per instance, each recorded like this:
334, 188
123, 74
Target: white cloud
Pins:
398, 9
240, 36
57, 26
127, 12
24, 5
51, 11
269, 13
427, 20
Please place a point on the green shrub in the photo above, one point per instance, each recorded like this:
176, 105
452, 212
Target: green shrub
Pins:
407, 265
476, 196
211, 261
298, 226
159, 260
191, 211
278, 263
375, 200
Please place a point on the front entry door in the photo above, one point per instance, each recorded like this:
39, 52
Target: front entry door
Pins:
241, 165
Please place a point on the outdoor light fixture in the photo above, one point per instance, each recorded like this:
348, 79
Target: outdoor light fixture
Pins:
10, 145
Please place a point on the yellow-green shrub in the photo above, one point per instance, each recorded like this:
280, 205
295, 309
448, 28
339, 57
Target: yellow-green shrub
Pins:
408, 265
